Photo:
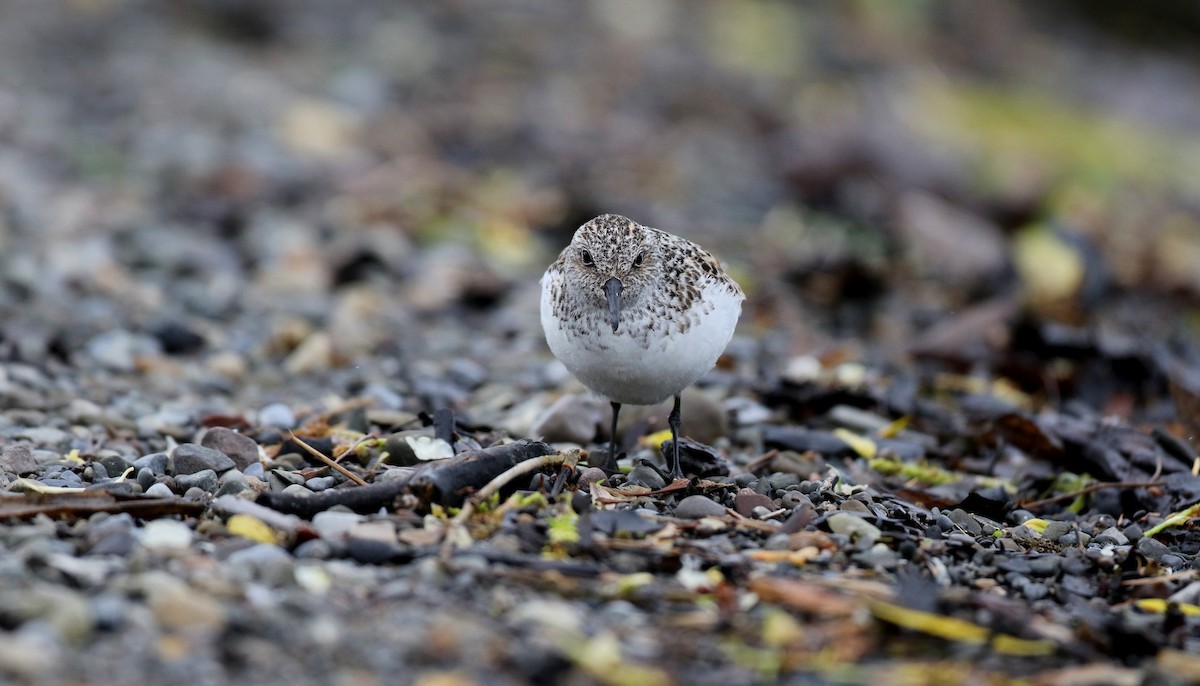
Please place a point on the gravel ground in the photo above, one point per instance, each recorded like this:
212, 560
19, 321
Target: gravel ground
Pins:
943, 447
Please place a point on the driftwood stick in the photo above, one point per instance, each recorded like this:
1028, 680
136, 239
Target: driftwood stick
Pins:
446, 482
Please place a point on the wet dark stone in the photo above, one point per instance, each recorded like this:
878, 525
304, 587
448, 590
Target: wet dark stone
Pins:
1045, 565
176, 338
1153, 549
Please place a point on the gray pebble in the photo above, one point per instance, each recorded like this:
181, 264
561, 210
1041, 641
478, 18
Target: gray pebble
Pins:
1152, 548
277, 415
644, 475
794, 499
1111, 536
189, 458
697, 507
315, 549
159, 490
1046, 565
237, 447
205, 480
965, 521
155, 462
18, 459
1173, 561
858, 530
320, 483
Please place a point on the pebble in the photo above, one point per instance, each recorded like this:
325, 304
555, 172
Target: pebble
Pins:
860, 532
645, 476
160, 490
698, 507
1111, 536
155, 462
570, 419
18, 459
277, 415
966, 521
591, 475
189, 458
1152, 548
205, 480
747, 500
237, 447
333, 525
166, 535
180, 607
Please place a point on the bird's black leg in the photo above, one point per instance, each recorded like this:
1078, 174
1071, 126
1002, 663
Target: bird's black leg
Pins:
674, 421
610, 466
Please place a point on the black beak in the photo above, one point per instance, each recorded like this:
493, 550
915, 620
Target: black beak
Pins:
612, 291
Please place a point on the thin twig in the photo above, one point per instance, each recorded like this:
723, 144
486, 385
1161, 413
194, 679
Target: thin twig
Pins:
317, 454
493, 486
1090, 489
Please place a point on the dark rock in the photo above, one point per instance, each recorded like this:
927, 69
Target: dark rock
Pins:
155, 462
747, 500
205, 480
647, 476
803, 440
115, 465
1153, 549
237, 447
698, 506
615, 522
189, 458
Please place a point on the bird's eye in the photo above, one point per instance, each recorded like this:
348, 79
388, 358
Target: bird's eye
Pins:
586, 256
637, 261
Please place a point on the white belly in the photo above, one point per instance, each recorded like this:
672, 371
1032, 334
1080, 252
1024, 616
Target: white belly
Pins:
638, 367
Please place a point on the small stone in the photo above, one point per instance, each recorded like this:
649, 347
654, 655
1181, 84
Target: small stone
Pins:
155, 462
315, 549
1056, 529
373, 542
333, 525
166, 535
239, 448
18, 459
1046, 565
115, 465
698, 507
160, 490
591, 475
965, 521
278, 415
1152, 548
794, 499
205, 480
646, 476
178, 606
860, 532
570, 419
851, 505
1111, 536
747, 500
320, 483
189, 458
1172, 561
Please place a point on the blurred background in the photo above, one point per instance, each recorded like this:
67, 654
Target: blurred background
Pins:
281, 188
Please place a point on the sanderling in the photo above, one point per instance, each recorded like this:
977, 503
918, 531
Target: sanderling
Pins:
637, 315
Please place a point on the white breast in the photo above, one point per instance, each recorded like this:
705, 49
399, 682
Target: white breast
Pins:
636, 366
